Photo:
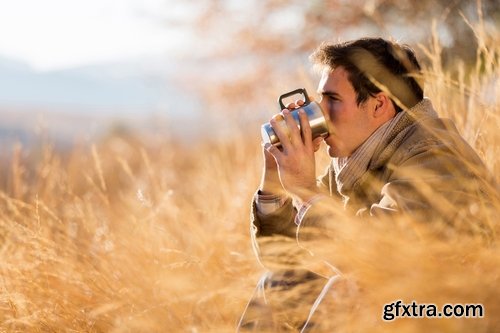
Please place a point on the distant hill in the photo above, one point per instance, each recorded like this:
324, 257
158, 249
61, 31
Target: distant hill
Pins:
86, 101
131, 87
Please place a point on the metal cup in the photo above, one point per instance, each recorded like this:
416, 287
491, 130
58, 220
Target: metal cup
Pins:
319, 127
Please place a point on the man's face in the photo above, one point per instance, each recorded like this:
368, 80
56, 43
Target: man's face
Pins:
350, 124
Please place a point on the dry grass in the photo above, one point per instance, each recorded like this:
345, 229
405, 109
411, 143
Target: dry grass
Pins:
127, 236
141, 235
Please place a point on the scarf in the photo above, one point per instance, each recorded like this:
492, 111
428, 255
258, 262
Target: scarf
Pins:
349, 169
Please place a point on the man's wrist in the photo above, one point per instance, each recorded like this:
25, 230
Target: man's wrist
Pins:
271, 188
307, 194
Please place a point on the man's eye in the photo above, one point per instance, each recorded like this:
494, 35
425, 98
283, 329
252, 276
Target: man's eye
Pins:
328, 98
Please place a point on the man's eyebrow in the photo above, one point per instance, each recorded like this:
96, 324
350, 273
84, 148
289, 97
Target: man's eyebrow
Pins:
328, 93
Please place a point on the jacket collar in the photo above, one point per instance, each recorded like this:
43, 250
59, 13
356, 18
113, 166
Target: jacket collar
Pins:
422, 111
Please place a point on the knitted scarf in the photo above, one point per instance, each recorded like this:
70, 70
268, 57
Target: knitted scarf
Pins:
349, 169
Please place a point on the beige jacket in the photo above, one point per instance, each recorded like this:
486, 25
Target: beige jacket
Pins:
423, 168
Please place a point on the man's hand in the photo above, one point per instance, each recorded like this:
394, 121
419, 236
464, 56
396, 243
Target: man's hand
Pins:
295, 161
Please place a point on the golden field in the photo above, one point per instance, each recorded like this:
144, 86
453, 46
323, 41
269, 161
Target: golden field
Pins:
150, 234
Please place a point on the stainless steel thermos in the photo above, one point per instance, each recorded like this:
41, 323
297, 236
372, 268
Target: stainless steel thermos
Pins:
314, 113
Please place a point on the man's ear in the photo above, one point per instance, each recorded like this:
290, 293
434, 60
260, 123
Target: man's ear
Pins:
383, 106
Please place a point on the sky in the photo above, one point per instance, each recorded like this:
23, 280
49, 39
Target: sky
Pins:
58, 34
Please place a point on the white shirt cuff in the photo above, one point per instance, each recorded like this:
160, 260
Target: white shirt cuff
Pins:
269, 203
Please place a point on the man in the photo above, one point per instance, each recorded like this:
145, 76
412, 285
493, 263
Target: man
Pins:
392, 156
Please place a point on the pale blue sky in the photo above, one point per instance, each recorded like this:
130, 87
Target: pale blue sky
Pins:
59, 34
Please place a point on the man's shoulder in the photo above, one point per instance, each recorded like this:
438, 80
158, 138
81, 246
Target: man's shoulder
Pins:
436, 140
430, 132
411, 136
430, 137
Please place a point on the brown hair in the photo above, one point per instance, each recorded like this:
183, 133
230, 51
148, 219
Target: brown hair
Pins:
375, 65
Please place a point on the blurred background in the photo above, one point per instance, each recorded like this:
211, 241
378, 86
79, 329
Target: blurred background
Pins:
72, 70
130, 152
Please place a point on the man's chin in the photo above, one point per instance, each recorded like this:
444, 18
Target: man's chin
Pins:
335, 152
332, 152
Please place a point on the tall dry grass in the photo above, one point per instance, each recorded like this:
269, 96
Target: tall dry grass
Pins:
127, 236
135, 234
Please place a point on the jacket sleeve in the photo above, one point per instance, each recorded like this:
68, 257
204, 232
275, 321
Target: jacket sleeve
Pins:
274, 235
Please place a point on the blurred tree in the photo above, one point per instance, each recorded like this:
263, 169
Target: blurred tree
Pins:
250, 50
275, 26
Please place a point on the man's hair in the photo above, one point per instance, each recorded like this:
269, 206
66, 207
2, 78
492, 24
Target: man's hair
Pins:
375, 65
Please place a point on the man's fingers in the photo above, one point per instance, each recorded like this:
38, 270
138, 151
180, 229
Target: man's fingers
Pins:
294, 105
305, 129
293, 127
273, 150
282, 132
317, 143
